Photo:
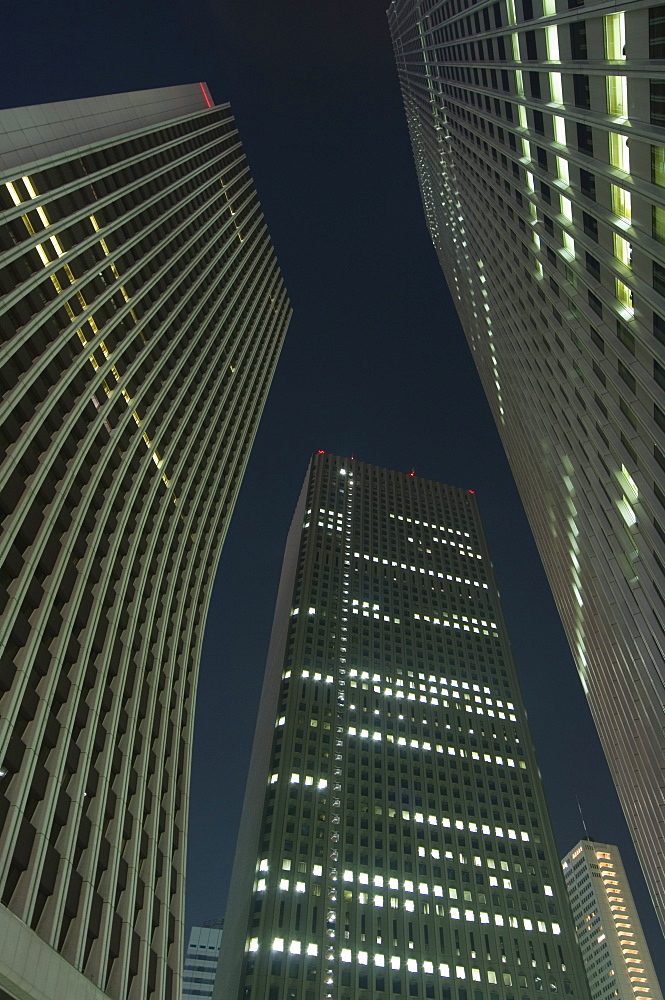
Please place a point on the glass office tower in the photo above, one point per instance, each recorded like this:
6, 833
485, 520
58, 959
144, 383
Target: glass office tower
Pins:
537, 130
614, 950
143, 313
395, 840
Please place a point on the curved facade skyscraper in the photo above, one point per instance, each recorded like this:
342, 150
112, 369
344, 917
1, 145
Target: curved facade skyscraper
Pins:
537, 131
143, 314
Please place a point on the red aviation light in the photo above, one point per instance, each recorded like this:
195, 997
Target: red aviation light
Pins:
472, 491
206, 95
321, 453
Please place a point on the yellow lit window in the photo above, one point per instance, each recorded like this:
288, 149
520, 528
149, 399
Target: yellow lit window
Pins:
559, 130
621, 202
623, 252
658, 165
658, 221
617, 96
566, 208
615, 36
556, 88
562, 169
619, 156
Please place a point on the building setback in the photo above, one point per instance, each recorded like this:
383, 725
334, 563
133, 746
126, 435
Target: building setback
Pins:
537, 131
143, 313
201, 958
614, 949
394, 839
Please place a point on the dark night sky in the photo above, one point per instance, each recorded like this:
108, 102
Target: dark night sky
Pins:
375, 363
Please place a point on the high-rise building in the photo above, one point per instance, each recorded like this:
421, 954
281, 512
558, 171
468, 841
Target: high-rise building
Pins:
143, 314
394, 839
537, 131
201, 958
609, 933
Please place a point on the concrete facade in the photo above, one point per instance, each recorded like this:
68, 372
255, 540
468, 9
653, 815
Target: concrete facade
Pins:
537, 132
143, 313
614, 950
395, 839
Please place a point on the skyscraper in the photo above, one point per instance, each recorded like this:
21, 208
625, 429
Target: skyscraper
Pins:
614, 949
537, 131
201, 959
394, 839
143, 314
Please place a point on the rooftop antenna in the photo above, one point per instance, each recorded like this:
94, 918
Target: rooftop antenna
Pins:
586, 832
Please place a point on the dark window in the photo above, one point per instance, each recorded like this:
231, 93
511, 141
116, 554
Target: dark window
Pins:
588, 184
581, 90
659, 328
597, 339
659, 417
590, 226
659, 278
626, 375
531, 46
625, 336
538, 122
657, 32
584, 138
575, 3
541, 155
497, 15
545, 192
659, 374
595, 304
578, 49
534, 79
600, 375
657, 102
527, 10
593, 266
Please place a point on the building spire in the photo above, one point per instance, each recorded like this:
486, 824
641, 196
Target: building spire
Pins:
586, 832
